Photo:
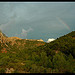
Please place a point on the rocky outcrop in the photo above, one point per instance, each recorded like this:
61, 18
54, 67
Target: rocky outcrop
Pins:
11, 70
35, 40
40, 40
13, 38
4, 39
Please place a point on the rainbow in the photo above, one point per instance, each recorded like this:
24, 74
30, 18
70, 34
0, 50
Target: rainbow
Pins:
63, 23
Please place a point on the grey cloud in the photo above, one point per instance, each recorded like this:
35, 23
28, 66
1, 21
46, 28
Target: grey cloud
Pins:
5, 26
24, 33
18, 17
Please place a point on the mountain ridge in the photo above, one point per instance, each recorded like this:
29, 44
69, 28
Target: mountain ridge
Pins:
28, 56
5, 39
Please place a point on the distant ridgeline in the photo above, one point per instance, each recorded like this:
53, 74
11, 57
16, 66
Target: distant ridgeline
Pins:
35, 40
4, 39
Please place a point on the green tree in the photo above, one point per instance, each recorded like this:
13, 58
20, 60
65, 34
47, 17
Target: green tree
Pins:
70, 64
59, 61
2, 70
50, 65
37, 69
43, 59
35, 57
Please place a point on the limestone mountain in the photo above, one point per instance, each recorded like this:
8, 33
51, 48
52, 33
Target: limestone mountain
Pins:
3, 33
7, 42
3, 37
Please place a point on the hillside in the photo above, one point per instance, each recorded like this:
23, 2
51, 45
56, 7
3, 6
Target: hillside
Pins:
11, 41
2, 33
65, 44
32, 56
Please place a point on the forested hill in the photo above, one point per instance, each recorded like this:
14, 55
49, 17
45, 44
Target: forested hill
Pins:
65, 44
61, 52
32, 56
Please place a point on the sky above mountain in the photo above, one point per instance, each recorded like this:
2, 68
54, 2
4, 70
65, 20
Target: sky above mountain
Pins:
37, 20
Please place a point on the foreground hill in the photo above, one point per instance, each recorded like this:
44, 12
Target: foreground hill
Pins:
65, 44
32, 56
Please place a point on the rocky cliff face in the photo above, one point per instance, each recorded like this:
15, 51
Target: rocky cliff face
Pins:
2, 38
35, 40
13, 38
5, 39
40, 40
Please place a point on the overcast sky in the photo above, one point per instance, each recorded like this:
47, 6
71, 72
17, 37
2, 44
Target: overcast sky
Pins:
37, 20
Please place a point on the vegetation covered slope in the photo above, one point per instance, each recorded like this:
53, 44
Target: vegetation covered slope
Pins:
26, 56
65, 44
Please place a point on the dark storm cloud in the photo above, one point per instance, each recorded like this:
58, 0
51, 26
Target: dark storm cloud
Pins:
41, 17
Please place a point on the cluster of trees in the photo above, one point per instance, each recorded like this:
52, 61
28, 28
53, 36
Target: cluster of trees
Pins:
55, 57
